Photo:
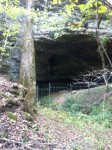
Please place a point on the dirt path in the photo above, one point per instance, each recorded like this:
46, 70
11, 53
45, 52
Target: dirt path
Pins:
61, 96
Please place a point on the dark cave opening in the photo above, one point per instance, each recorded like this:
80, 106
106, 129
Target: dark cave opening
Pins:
53, 62
59, 62
66, 57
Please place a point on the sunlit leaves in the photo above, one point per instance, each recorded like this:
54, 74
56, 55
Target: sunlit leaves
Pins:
54, 2
91, 6
110, 14
69, 8
102, 9
81, 6
1, 8
59, 1
73, 1
10, 11
75, 25
10, 1
2, 50
13, 12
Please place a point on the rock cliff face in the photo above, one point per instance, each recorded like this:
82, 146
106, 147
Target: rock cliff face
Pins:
72, 52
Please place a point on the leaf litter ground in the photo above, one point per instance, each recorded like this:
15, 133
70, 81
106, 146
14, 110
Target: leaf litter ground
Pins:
49, 131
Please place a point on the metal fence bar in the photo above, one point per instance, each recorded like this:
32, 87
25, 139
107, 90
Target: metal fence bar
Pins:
49, 93
37, 93
48, 88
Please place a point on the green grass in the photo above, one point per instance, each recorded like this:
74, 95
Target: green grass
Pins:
91, 132
94, 127
46, 101
83, 107
78, 119
71, 113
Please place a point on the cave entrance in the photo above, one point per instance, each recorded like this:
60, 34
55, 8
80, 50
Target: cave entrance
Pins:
68, 56
64, 58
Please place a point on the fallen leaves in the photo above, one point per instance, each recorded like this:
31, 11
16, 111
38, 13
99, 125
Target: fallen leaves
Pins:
51, 130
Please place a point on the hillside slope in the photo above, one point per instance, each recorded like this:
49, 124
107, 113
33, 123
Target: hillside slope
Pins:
51, 130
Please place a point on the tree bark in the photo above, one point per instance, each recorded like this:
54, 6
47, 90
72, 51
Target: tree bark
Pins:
27, 68
101, 48
98, 40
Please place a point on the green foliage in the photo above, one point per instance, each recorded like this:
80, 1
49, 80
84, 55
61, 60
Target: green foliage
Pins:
95, 114
25, 138
103, 118
12, 116
110, 14
70, 105
54, 2
91, 5
102, 9
105, 40
10, 1
90, 132
9, 25
35, 127
46, 101
96, 109
69, 8
89, 9
4, 134
28, 117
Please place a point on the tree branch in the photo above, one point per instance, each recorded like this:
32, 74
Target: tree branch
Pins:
106, 3
101, 47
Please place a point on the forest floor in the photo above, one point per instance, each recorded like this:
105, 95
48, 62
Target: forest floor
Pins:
51, 130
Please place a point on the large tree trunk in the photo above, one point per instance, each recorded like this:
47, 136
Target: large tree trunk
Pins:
27, 69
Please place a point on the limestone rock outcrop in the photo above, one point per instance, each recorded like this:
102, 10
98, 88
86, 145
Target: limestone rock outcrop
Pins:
62, 52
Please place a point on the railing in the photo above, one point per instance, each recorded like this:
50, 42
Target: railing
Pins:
46, 89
